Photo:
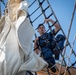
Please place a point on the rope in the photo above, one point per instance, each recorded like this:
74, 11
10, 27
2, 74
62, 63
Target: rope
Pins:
68, 36
67, 42
43, 13
47, 23
58, 22
70, 54
60, 25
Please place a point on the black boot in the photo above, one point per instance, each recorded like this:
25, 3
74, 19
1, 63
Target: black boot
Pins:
52, 67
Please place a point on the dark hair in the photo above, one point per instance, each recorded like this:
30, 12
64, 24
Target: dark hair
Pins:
40, 25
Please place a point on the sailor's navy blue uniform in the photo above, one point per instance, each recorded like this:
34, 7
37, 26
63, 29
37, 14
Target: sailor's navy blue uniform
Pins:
50, 45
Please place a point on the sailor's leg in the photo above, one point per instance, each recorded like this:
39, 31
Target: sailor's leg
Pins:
60, 39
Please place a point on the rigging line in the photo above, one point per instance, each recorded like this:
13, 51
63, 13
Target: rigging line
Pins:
69, 33
73, 68
32, 14
37, 17
70, 55
75, 5
74, 41
59, 23
68, 36
72, 65
45, 16
2, 1
31, 24
71, 50
34, 11
55, 16
32, 3
48, 24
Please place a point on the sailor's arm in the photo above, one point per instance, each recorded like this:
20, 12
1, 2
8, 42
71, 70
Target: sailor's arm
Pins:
57, 26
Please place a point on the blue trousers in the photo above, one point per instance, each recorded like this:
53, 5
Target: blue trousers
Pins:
59, 46
48, 53
48, 57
